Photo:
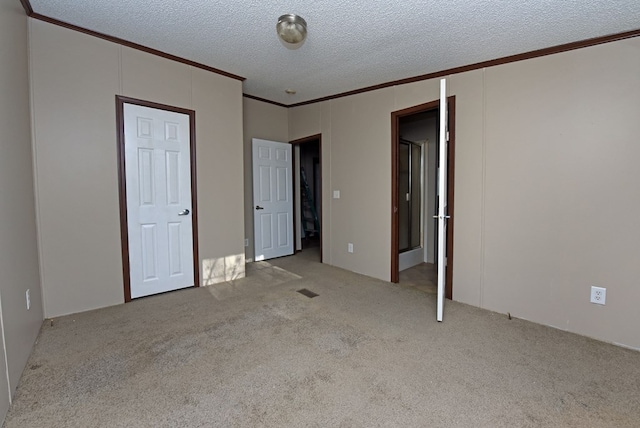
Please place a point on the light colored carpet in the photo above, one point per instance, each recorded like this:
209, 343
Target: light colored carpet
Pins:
363, 353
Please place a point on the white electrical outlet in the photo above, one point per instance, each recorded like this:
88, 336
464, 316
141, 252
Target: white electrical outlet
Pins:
246, 242
28, 296
350, 247
336, 194
598, 295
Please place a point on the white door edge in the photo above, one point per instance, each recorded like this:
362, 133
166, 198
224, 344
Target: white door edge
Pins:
442, 199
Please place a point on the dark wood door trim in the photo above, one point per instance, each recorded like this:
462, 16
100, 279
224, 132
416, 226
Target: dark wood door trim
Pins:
395, 226
318, 138
451, 169
122, 185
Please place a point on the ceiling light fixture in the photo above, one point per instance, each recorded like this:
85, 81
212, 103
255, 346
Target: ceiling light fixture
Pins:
291, 29
290, 91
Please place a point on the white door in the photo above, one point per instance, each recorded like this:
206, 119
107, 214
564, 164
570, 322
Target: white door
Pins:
442, 197
158, 183
272, 199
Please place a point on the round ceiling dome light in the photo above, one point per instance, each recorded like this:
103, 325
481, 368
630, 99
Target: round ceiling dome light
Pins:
291, 28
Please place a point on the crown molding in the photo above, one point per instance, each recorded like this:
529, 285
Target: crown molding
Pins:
456, 70
30, 13
485, 64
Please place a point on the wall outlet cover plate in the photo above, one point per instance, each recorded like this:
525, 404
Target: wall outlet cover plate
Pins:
598, 295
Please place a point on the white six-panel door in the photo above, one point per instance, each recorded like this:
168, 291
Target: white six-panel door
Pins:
272, 199
158, 183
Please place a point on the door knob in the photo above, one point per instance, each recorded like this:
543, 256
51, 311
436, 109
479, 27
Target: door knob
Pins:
258, 207
184, 212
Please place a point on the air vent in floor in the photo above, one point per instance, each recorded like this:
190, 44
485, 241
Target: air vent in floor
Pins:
310, 294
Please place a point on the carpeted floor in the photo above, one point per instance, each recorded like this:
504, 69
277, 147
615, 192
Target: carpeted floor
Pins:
363, 353
423, 277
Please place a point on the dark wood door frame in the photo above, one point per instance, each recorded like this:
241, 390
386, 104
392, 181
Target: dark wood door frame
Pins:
395, 224
318, 138
122, 185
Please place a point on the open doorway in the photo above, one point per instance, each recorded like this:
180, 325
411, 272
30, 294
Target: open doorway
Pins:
414, 196
307, 171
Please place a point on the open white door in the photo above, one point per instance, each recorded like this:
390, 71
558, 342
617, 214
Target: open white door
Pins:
272, 199
157, 147
442, 197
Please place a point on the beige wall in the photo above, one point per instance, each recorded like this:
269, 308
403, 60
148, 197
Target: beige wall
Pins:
19, 270
546, 201
561, 197
75, 78
267, 122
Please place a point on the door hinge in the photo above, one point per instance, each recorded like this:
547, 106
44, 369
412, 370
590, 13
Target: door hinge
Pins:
447, 135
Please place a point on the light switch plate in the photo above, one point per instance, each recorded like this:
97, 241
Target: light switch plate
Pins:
336, 194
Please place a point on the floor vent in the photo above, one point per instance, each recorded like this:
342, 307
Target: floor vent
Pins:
310, 294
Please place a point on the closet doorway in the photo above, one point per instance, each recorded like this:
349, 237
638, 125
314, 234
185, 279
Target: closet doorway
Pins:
415, 194
307, 179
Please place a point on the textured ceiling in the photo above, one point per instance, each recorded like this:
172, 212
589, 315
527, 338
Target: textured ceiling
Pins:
351, 44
